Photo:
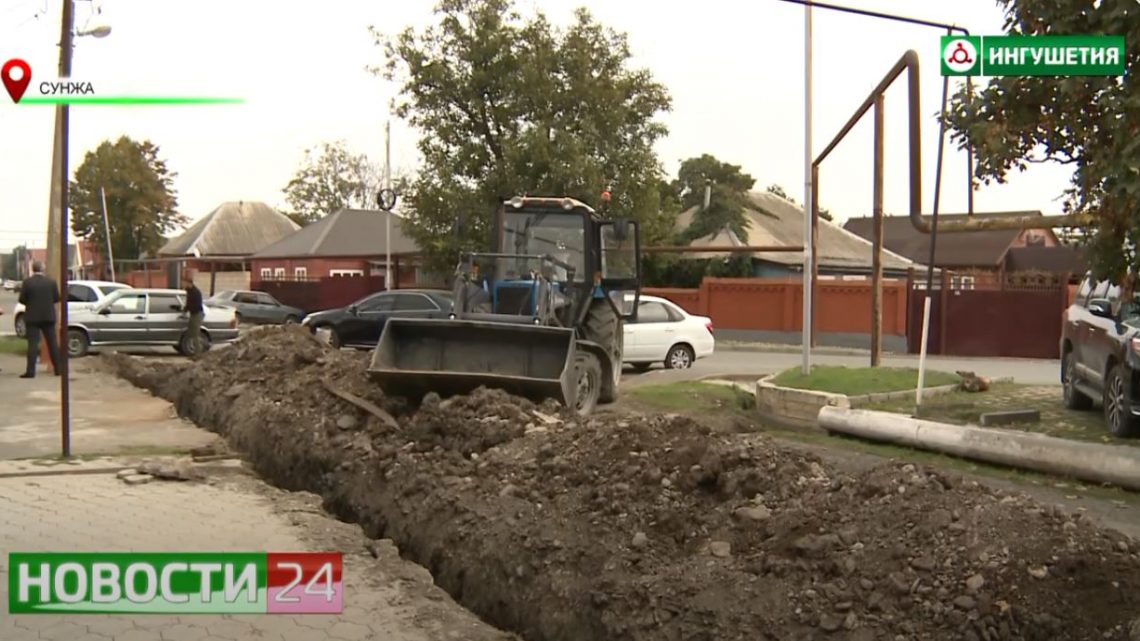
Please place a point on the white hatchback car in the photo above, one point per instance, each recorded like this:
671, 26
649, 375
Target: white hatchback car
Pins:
81, 294
665, 333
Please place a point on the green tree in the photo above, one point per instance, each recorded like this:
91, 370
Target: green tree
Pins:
1087, 123
331, 178
779, 191
8, 264
141, 202
728, 187
511, 106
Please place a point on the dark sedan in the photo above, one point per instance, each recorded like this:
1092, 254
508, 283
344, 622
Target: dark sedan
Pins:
359, 324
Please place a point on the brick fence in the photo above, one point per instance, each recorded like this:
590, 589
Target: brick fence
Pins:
776, 304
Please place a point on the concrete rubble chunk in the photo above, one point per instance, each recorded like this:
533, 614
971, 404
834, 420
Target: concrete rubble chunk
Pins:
138, 479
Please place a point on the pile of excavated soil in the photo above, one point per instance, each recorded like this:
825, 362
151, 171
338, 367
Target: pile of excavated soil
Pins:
633, 527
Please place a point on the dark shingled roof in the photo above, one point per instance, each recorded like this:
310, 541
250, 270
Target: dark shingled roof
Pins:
348, 232
1061, 259
233, 229
958, 249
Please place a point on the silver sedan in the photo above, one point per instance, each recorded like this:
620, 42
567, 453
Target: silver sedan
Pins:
146, 317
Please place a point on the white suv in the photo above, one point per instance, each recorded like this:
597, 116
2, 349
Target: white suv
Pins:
665, 333
81, 294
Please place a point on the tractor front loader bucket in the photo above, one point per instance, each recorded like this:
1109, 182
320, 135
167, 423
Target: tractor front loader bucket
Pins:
417, 356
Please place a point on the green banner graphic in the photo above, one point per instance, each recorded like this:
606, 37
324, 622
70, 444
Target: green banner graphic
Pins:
1033, 55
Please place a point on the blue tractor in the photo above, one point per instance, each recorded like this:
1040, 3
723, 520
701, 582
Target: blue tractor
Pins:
539, 316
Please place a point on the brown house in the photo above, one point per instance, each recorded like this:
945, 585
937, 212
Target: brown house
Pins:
348, 243
973, 255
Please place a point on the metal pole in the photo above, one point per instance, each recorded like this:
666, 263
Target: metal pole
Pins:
930, 265
64, 386
388, 215
807, 288
107, 232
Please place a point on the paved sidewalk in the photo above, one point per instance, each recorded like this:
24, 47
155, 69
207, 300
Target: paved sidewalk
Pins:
108, 415
385, 598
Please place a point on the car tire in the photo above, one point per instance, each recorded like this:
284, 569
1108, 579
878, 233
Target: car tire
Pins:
186, 347
1074, 398
1117, 416
77, 343
291, 320
334, 339
21, 328
588, 388
680, 356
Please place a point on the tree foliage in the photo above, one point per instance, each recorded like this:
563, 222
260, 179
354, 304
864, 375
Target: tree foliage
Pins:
728, 187
141, 200
1090, 124
509, 105
331, 178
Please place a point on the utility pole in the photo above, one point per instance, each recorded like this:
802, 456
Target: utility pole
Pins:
388, 214
107, 231
807, 311
57, 223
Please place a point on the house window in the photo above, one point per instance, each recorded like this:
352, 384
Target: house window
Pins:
300, 273
265, 273
346, 272
962, 282
279, 273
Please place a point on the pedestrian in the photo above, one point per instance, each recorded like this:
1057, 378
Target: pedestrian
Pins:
39, 294
197, 312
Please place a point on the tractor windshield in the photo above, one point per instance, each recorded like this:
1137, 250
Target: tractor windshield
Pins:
560, 236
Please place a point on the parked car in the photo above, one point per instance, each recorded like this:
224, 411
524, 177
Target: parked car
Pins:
665, 333
359, 324
145, 317
1100, 355
257, 308
80, 294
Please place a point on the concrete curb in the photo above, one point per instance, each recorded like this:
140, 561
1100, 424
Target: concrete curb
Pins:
1093, 462
799, 408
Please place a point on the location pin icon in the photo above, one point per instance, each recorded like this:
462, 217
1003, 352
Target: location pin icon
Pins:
16, 86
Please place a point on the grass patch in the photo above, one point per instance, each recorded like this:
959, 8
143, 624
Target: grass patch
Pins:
13, 345
856, 381
965, 408
693, 396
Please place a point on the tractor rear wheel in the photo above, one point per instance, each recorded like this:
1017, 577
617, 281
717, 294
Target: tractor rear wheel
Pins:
604, 327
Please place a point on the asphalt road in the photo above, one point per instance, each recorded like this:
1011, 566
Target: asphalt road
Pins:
738, 363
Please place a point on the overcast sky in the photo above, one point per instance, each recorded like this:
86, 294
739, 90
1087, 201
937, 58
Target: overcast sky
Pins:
734, 68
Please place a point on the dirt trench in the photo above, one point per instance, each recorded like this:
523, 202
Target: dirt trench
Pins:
636, 527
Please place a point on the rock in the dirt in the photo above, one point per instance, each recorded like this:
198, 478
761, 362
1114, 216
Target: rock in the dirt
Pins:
924, 563
830, 623
720, 549
1134, 630
180, 470
752, 514
138, 479
975, 583
346, 421
1039, 572
640, 541
125, 473
965, 602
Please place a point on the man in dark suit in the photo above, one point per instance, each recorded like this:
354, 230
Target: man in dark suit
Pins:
40, 295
